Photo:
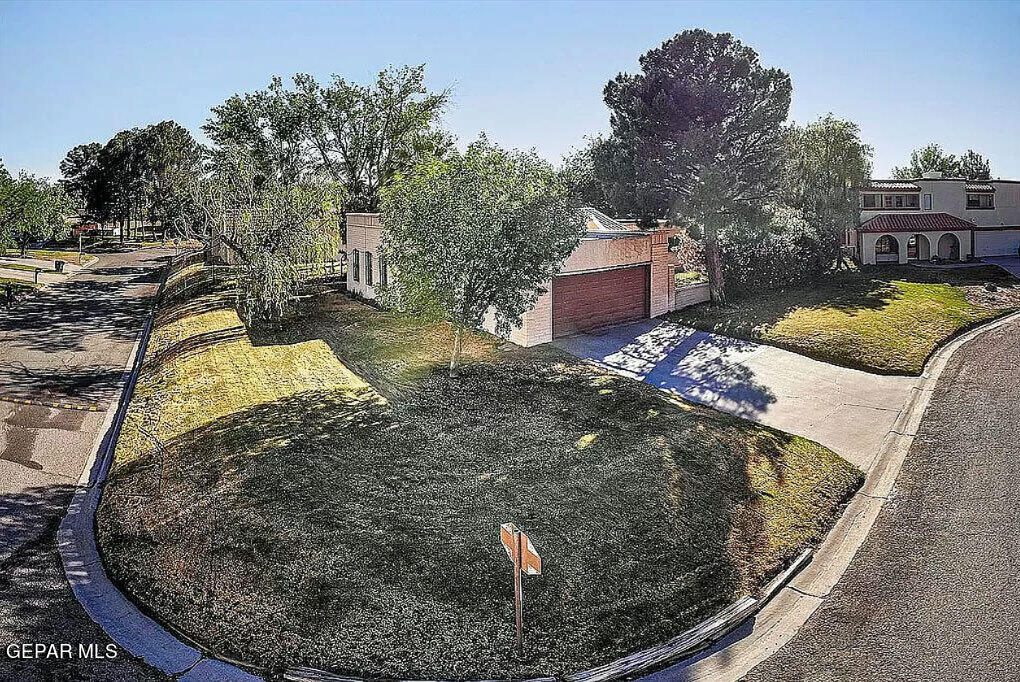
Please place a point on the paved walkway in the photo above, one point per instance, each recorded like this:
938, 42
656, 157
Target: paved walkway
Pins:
1010, 263
932, 594
68, 345
844, 409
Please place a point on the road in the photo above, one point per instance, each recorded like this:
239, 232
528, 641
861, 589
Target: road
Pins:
933, 593
67, 347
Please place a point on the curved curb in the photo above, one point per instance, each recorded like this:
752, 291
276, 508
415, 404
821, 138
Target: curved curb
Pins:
777, 623
119, 618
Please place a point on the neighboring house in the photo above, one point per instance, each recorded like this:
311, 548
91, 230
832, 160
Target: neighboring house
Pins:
932, 216
618, 273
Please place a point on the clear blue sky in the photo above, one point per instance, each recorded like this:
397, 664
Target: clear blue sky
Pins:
529, 74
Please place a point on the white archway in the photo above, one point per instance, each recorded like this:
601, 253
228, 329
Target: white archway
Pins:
887, 249
949, 247
918, 247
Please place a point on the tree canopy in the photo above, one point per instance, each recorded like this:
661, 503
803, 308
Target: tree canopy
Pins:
973, 166
704, 123
474, 234
359, 137
31, 209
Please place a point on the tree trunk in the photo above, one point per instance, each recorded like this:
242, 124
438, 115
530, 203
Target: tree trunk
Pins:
458, 341
713, 264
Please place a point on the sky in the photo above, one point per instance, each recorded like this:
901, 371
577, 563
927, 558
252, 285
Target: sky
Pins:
528, 74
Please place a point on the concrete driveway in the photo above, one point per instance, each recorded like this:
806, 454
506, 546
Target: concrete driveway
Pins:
846, 410
1008, 263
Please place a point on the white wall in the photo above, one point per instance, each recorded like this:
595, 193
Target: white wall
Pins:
364, 233
868, 240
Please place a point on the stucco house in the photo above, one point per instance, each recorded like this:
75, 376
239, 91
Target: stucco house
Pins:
932, 216
618, 273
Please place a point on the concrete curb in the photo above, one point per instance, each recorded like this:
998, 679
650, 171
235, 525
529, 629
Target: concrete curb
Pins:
777, 623
119, 618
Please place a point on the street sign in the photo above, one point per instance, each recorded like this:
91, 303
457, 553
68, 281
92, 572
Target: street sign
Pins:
531, 562
525, 560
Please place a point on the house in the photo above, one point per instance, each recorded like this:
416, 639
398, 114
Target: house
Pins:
618, 273
951, 219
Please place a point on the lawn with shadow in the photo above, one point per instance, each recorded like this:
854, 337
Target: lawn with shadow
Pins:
274, 506
887, 320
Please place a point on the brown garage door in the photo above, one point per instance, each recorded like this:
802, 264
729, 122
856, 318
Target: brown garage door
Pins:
597, 299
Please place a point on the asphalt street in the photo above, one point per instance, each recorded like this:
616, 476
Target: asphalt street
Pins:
933, 593
68, 346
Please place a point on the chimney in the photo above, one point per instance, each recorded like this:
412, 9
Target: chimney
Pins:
932, 175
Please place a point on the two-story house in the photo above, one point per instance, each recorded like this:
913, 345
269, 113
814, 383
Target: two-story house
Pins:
931, 217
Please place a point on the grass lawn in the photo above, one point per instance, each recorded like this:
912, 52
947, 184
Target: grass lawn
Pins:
23, 267
44, 254
885, 319
688, 277
326, 495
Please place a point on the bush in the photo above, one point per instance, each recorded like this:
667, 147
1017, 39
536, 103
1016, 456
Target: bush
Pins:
779, 249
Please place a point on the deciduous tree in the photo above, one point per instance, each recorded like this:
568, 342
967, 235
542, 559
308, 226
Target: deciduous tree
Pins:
475, 233
827, 165
928, 159
973, 166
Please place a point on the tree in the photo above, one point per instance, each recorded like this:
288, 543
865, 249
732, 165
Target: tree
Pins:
31, 209
704, 122
272, 226
828, 164
82, 178
358, 136
928, 159
973, 166
475, 233
601, 175
171, 161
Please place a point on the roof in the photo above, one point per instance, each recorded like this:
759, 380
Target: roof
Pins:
979, 187
597, 224
915, 222
898, 185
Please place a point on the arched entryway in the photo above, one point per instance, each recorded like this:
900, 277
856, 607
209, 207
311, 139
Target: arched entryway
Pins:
918, 248
887, 249
949, 247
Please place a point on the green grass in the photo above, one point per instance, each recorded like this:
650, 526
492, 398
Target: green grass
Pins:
273, 506
886, 320
46, 254
23, 267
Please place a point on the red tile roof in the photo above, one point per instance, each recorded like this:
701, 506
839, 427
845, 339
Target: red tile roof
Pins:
915, 222
892, 185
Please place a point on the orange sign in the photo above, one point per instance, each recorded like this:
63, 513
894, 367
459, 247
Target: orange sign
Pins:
531, 562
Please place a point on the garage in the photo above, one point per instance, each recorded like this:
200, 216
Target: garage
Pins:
590, 300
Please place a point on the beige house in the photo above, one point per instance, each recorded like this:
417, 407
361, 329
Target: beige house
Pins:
618, 273
935, 217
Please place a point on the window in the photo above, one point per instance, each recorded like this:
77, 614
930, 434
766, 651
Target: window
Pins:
886, 245
898, 199
927, 201
356, 266
980, 201
887, 201
871, 200
911, 201
368, 268
383, 274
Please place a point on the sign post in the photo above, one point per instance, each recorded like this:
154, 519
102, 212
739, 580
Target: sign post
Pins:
525, 560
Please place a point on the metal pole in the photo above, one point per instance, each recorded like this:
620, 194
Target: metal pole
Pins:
518, 593
79, 248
